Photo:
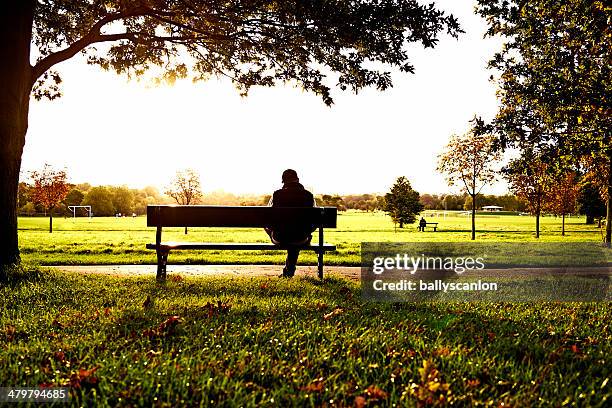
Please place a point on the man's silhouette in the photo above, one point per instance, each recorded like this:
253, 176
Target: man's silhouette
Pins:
293, 194
422, 224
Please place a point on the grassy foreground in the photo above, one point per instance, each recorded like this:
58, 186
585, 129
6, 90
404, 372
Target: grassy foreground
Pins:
272, 342
122, 240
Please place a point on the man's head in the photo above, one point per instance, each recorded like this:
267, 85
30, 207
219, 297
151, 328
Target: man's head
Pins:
290, 176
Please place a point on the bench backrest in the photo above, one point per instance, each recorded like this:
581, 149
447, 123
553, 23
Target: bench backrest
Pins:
242, 216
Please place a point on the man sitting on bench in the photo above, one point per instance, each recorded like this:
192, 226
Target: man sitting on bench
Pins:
293, 194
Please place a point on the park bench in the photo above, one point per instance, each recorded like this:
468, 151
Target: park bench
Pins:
433, 225
161, 216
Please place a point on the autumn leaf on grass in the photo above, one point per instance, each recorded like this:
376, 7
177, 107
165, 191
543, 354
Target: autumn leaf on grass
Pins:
176, 278
337, 311
431, 390
315, 386
216, 309
165, 328
359, 402
82, 378
11, 333
442, 351
375, 393
473, 383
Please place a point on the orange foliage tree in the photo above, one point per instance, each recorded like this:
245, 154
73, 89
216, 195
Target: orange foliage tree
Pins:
530, 180
563, 196
50, 188
470, 160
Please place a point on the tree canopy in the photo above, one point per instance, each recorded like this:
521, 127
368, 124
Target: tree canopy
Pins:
252, 42
554, 77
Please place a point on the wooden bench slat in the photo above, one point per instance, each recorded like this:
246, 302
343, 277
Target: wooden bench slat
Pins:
239, 216
238, 246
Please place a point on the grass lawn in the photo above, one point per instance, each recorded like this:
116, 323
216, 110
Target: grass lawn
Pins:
122, 240
273, 342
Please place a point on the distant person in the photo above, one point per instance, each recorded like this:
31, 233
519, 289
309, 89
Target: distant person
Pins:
422, 224
293, 194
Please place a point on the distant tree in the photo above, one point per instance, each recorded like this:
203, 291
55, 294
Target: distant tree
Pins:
530, 179
74, 197
563, 196
23, 195
185, 188
101, 201
151, 191
470, 161
402, 202
453, 202
331, 201
590, 202
28, 208
431, 202
123, 199
50, 188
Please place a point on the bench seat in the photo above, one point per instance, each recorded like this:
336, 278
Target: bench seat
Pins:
255, 246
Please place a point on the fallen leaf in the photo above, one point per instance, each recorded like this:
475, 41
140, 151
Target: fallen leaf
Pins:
376, 393
337, 311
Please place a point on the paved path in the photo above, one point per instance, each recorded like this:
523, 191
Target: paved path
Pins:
351, 272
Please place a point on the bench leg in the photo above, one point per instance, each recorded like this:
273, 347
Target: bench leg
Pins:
320, 264
162, 261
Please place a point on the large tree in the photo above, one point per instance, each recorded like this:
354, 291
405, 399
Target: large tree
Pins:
470, 161
253, 42
554, 77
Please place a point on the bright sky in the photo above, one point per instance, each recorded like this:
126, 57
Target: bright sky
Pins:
108, 130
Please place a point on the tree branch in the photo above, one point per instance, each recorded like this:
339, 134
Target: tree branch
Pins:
91, 37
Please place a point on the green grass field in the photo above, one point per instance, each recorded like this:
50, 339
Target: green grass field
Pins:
122, 240
272, 342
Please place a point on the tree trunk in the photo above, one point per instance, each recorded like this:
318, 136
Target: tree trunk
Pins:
609, 203
50, 222
563, 224
185, 230
590, 219
15, 86
474, 217
401, 223
538, 223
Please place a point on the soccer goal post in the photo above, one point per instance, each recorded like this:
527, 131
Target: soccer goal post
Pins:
73, 208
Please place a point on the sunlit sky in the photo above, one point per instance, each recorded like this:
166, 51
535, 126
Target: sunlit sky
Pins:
108, 130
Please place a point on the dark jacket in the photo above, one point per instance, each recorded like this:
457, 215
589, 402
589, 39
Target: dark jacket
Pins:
292, 195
